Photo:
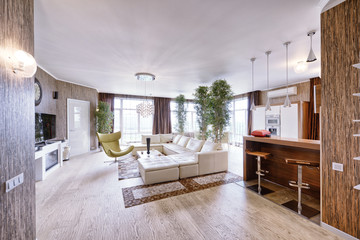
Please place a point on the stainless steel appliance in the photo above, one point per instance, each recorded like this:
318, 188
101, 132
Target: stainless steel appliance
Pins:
272, 124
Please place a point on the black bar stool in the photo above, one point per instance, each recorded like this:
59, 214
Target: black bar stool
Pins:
308, 211
259, 171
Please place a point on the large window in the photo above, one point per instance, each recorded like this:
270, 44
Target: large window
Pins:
191, 124
239, 120
129, 122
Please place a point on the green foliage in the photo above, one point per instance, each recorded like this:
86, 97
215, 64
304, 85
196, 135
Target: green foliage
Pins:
221, 96
202, 107
104, 118
180, 113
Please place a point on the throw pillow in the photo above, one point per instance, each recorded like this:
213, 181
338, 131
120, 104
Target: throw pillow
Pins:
183, 141
194, 144
177, 138
209, 147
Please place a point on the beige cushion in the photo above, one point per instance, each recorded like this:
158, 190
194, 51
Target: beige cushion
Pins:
183, 141
157, 163
194, 144
209, 147
165, 138
184, 159
176, 139
154, 138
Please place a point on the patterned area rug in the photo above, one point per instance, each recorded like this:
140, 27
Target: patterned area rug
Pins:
148, 193
128, 168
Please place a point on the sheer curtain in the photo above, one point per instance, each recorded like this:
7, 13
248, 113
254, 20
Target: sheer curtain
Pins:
162, 116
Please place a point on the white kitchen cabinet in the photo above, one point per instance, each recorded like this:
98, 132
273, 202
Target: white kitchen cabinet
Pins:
275, 110
258, 119
289, 119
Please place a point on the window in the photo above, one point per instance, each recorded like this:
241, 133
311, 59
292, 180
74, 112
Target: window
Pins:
129, 122
238, 122
191, 124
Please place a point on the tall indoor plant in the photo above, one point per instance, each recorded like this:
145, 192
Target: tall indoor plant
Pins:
104, 118
180, 113
202, 108
220, 99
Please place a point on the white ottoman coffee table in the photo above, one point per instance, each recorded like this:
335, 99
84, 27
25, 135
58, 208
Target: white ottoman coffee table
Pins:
156, 169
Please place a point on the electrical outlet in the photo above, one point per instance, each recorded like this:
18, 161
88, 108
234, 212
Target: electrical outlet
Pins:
14, 182
337, 167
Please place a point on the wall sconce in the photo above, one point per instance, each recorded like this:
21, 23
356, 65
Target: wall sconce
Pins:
22, 64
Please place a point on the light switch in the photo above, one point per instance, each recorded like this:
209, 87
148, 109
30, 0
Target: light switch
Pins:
337, 167
14, 182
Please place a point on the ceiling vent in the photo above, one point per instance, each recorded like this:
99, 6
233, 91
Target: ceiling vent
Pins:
282, 92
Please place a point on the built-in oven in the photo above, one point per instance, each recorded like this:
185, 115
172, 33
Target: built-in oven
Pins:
272, 124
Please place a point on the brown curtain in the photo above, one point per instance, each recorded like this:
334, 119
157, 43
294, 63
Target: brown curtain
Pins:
108, 98
256, 96
162, 116
313, 123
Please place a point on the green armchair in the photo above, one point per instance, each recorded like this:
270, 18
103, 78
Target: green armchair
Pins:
111, 146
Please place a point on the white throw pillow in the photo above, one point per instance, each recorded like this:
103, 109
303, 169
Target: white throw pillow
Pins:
194, 144
209, 147
153, 138
177, 138
165, 138
183, 141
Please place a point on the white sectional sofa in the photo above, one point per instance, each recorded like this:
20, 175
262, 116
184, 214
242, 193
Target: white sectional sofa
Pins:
185, 157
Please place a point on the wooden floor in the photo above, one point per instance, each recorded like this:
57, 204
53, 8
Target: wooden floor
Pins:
83, 200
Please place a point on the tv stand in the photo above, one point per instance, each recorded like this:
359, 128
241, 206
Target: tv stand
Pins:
40, 157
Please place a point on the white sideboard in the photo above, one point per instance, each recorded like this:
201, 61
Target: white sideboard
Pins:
40, 164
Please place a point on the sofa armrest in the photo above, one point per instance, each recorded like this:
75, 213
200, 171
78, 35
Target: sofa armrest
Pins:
211, 162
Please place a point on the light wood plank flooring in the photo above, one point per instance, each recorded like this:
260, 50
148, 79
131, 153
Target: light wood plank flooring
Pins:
83, 200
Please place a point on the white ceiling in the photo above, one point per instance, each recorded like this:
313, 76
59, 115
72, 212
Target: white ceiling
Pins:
186, 43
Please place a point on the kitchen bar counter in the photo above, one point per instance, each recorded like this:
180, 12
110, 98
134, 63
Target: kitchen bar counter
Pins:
280, 172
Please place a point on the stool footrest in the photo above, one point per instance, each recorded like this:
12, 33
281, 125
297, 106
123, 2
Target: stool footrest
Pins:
303, 185
260, 173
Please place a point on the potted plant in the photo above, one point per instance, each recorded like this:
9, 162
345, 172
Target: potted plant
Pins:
180, 113
221, 96
202, 108
104, 118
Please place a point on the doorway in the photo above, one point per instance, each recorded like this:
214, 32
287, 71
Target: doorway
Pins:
78, 126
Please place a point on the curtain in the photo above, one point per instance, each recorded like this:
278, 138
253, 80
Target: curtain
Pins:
162, 116
313, 121
109, 99
256, 96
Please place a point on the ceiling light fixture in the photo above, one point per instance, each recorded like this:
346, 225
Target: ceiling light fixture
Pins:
311, 57
268, 107
300, 67
253, 107
145, 108
287, 102
22, 64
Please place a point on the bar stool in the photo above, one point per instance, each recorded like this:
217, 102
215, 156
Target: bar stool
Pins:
300, 185
259, 171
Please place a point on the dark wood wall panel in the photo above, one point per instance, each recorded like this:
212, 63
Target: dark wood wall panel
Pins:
340, 48
17, 207
59, 106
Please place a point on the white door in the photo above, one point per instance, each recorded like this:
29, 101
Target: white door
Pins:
289, 121
258, 119
78, 126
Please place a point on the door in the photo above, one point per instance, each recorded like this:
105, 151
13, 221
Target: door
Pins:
289, 121
78, 126
258, 119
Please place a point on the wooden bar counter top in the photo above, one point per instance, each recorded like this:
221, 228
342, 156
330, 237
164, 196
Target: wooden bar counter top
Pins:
280, 149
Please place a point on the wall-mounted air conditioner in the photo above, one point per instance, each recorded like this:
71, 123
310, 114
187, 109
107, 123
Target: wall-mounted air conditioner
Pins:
282, 92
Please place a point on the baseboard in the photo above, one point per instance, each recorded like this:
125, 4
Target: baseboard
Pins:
337, 231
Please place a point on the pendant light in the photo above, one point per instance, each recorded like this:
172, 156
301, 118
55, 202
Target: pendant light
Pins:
253, 107
268, 107
311, 57
287, 102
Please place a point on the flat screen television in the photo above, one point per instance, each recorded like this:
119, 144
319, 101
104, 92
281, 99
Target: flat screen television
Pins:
45, 127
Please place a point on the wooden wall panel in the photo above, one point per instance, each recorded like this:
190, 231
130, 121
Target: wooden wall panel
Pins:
340, 48
59, 106
17, 207
303, 95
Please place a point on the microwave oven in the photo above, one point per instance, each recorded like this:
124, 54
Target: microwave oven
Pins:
272, 120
